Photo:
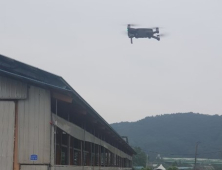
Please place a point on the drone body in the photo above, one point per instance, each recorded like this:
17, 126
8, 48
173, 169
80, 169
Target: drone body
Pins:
142, 33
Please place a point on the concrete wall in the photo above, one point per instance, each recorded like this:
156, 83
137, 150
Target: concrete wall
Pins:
34, 116
7, 120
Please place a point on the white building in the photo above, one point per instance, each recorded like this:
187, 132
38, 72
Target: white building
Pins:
160, 167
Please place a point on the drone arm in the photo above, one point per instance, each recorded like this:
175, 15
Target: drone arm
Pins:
157, 31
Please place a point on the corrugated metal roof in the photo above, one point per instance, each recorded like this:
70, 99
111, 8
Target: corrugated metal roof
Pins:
14, 67
19, 70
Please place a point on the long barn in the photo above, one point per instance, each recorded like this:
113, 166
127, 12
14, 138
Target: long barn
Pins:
46, 125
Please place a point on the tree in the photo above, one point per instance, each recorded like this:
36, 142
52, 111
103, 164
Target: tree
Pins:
175, 164
147, 168
167, 133
140, 158
172, 168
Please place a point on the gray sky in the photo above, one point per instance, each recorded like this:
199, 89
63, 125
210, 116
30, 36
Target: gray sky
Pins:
83, 42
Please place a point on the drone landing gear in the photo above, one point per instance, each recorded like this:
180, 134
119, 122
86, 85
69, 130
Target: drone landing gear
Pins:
156, 37
131, 39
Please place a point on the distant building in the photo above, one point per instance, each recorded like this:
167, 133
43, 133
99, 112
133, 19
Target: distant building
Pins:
185, 168
205, 168
46, 125
160, 167
138, 167
203, 161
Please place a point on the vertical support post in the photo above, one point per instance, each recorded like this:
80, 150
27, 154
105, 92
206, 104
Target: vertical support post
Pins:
15, 162
104, 155
117, 157
196, 155
81, 154
120, 162
68, 147
147, 160
99, 152
55, 133
84, 145
94, 145
52, 144
90, 154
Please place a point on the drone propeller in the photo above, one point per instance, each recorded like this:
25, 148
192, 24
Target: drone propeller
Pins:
133, 25
162, 35
124, 33
154, 27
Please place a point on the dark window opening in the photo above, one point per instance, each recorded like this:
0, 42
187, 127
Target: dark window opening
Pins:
87, 154
71, 151
77, 151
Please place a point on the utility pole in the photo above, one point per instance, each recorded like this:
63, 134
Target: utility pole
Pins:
147, 157
196, 155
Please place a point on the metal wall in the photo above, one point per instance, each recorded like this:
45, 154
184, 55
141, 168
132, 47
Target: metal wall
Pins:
12, 89
34, 116
7, 122
34, 167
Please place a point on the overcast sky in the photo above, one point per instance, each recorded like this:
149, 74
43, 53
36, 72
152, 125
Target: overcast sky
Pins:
83, 42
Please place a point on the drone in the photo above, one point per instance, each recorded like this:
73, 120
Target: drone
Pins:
142, 33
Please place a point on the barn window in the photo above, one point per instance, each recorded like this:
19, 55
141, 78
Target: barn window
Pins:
61, 147
77, 151
87, 154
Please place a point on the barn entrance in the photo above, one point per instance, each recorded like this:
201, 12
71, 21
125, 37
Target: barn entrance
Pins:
7, 125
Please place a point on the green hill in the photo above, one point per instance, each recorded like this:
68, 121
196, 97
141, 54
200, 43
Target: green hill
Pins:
175, 135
